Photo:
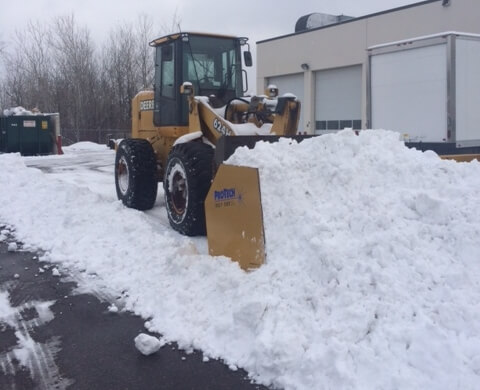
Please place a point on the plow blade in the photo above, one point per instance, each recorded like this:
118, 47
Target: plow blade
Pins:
234, 217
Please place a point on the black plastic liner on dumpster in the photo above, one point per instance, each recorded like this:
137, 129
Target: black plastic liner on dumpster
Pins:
28, 135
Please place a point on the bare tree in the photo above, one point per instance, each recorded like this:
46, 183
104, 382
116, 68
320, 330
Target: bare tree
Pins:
121, 73
145, 63
28, 68
75, 76
172, 25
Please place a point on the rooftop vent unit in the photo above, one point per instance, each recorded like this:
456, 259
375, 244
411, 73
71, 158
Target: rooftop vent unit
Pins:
316, 20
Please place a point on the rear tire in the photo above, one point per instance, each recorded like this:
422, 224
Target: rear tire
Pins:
136, 174
188, 176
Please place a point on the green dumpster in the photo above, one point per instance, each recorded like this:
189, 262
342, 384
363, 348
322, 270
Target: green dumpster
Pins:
27, 134
3, 134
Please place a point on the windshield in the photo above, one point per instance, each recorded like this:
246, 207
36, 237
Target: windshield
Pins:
213, 65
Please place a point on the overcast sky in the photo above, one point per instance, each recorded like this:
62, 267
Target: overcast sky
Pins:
253, 18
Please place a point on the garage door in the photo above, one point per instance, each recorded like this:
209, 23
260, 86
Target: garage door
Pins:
291, 84
338, 99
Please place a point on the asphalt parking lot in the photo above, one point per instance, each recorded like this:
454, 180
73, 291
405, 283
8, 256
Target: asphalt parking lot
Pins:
52, 337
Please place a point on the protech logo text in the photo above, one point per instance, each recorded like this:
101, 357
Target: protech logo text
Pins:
225, 194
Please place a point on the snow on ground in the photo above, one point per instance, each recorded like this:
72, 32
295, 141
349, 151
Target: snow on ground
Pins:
70, 167
83, 146
373, 272
38, 358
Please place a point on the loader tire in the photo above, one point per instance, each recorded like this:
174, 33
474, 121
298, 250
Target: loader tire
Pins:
136, 174
188, 176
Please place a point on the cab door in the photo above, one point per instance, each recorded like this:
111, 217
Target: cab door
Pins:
166, 90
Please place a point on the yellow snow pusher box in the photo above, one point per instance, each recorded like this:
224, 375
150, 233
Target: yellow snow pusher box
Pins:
233, 206
233, 210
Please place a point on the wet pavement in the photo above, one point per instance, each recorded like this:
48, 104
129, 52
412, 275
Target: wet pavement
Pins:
52, 337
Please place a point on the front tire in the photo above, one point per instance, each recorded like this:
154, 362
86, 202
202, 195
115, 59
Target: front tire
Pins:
188, 176
136, 174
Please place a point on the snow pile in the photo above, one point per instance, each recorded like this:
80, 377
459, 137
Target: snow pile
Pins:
373, 273
84, 145
374, 264
17, 111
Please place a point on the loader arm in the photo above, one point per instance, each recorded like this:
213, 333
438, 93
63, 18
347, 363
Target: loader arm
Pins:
255, 117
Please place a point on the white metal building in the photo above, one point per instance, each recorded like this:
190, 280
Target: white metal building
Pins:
328, 67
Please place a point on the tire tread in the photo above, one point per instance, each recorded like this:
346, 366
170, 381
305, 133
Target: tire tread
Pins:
143, 173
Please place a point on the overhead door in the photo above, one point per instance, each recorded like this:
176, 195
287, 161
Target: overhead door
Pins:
409, 92
291, 84
338, 99
467, 92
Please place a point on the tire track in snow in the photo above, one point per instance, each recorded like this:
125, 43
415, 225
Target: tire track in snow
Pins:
38, 358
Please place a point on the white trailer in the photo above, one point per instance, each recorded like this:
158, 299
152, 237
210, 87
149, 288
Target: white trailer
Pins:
428, 89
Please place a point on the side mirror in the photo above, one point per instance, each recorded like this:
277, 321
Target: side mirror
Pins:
247, 58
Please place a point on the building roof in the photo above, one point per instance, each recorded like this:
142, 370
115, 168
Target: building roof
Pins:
351, 20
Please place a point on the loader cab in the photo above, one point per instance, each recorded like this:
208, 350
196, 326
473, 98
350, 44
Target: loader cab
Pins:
212, 63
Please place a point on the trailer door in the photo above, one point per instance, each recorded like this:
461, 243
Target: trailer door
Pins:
467, 70
409, 92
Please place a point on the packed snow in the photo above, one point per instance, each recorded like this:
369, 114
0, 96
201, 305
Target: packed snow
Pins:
55, 272
7, 313
372, 278
147, 344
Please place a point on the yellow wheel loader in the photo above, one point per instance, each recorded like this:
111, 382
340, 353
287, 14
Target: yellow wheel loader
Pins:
187, 126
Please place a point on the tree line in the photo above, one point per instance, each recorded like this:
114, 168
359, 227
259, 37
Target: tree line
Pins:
58, 68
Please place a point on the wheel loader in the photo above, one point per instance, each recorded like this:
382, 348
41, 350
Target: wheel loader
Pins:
183, 130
